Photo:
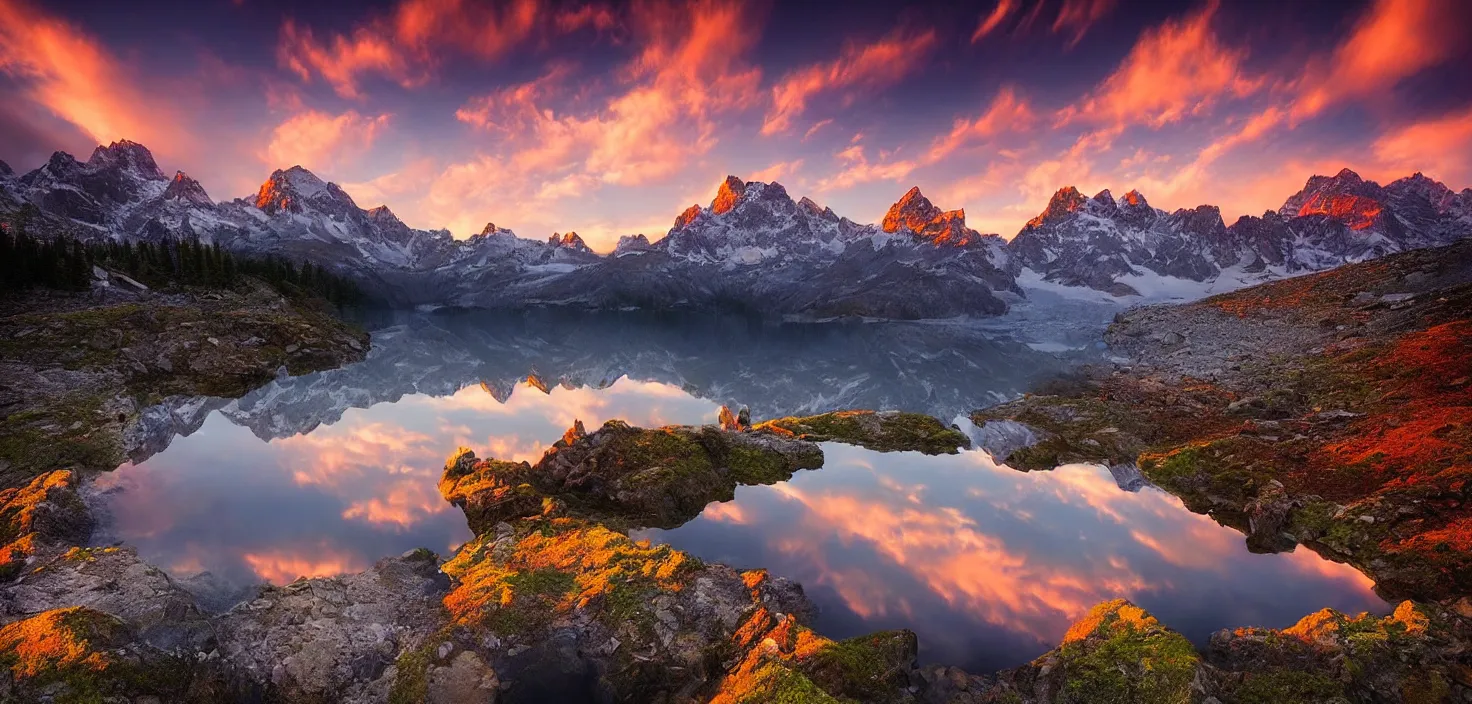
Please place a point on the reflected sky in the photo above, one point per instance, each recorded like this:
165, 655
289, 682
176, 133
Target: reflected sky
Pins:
340, 497
990, 565
327, 473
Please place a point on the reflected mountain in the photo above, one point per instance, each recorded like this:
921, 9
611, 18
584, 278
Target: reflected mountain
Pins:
775, 367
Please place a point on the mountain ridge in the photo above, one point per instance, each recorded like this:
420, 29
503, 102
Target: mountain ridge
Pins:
753, 247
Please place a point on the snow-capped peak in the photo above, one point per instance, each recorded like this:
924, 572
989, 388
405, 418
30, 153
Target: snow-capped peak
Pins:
289, 189
184, 188
1065, 201
130, 156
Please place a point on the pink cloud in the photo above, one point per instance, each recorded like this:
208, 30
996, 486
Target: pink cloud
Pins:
1007, 112
1394, 40
776, 171
319, 140
73, 76
1077, 16
859, 67
405, 44
1174, 71
993, 18
1439, 146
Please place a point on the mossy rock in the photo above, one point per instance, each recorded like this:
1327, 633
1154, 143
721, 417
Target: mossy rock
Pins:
80, 655
887, 431
1119, 654
869, 668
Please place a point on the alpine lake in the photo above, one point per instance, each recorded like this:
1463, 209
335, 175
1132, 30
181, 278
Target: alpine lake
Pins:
323, 474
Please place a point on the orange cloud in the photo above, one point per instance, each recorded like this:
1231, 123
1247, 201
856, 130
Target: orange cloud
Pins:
1175, 70
286, 565
776, 171
1077, 16
599, 17
403, 504
318, 140
406, 43
1007, 112
1439, 146
689, 72
992, 19
858, 67
73, 76
342, 58
515, 106
1394, 40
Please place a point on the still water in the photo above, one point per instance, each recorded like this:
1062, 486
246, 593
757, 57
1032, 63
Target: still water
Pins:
326, 473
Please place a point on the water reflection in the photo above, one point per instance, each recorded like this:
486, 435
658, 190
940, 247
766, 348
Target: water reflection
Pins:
336, 499
777, 368
325, 473
990, 565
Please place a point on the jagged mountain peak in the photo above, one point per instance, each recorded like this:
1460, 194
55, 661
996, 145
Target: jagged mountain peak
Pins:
490, 230
184, 188
5, 170
569, 240
915, 213
1134, 199
631, 243
1104, 197
1344, 197
289, 189
385, 218
728, 195
1065, 201
686, 217
129, 155
913, 210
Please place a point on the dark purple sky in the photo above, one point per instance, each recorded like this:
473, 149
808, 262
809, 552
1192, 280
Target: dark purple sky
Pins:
610, 119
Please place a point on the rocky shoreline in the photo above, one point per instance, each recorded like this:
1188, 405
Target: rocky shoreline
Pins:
553, 601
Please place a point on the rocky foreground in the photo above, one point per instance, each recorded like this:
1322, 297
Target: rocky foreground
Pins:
552, 601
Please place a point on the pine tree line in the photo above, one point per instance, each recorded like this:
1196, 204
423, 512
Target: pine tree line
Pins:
66, 264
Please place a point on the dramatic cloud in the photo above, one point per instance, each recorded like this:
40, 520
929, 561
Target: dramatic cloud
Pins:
1438, 146
321, 141
1007, 112
858, 68
1395, 39
1176, 70
405, 44
990, 21
74, 77
1075, 17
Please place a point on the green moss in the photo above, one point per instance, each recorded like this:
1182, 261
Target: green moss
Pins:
752, 466
776, 683
411, 681
658, 448
868, 668
534, 596
883, 432
543, 582
1126, 663
1286, 686
68, 432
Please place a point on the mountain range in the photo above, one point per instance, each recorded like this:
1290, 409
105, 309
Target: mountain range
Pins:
754, 247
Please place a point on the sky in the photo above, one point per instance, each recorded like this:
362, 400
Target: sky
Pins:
610, 119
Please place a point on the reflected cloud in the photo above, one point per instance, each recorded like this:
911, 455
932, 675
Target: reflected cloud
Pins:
284, 567
990, 565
